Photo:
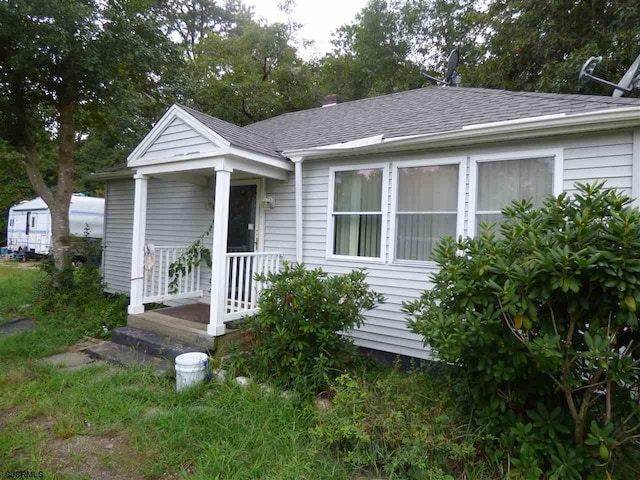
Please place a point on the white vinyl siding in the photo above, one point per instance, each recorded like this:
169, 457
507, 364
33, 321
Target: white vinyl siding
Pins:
280, 221
177, 214
178, 138
586, 158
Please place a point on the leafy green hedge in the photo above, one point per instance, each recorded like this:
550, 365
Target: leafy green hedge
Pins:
543, 320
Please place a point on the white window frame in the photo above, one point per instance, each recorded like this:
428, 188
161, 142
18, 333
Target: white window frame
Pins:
434, 162
384, 207
558, 159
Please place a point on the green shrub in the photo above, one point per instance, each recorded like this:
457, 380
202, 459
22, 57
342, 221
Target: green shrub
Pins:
543, 320
297, 333
76, 302
406, 425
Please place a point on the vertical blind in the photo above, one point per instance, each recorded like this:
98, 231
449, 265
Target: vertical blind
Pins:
427, 209
501, 182
357, 213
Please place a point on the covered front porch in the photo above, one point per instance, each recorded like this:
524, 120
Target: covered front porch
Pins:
232, 182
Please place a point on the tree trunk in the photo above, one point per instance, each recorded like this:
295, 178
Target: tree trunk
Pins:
60, 210
60, 200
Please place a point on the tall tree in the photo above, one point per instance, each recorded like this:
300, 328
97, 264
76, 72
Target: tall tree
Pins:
391, 43
251, 74
191, 21
59, 60
541, 44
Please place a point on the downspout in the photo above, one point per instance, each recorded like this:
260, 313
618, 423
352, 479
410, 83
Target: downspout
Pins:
297, 161
635, 172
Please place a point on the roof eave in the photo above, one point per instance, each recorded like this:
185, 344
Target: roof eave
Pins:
118, 174
544, 126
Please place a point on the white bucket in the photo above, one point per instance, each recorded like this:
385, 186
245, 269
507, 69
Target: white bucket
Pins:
191, 368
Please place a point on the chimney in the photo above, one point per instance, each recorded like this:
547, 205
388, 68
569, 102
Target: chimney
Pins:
329, 100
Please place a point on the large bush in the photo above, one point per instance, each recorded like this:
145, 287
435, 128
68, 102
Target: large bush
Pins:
298, 333
74, 300
543, 318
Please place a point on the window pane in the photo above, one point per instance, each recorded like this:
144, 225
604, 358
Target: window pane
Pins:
358, 191
357, 235
417, 235
428, 189
499, 183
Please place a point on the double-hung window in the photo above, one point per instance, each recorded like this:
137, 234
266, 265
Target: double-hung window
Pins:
502, 180
357, 212
429, 196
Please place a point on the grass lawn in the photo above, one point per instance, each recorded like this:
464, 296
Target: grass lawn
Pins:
106, 422
16, 288
111, 423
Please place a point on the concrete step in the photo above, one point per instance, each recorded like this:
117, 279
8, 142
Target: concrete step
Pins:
152, 343
130, 357
175, 328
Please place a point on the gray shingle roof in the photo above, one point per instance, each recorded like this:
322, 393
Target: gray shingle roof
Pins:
420, 111
234, 134
414, 112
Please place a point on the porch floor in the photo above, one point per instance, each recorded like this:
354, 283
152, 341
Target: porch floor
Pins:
195, 312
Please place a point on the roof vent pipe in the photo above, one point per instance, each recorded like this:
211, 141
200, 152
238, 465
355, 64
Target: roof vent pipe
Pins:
329, 100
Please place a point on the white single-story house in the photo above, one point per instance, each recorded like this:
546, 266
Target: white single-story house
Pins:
371, 183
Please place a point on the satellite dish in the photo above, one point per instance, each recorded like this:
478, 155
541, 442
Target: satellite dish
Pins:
453, 78
629, 82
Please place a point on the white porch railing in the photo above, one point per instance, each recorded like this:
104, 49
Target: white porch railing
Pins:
157, 280
242, 288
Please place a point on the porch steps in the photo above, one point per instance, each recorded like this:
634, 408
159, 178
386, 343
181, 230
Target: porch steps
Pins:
178, 329
152, 343
127, 356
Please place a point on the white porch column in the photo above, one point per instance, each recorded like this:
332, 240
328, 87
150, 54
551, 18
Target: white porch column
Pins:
219, 252
137, 247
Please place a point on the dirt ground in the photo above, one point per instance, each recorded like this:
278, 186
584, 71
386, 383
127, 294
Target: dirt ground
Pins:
86, 456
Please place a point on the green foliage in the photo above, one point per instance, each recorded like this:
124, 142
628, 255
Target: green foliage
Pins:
75, 302
297, 333
193, 256
250, 74
540, 45
405, 425
16, 285
543, 320
390, 43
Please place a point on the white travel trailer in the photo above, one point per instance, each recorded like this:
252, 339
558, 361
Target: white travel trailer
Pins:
29, 226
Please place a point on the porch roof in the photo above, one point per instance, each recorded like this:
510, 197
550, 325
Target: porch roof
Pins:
234, 134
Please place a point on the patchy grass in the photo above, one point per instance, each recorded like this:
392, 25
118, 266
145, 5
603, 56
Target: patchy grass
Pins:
16, 288
108, 422
216, 431
104, 422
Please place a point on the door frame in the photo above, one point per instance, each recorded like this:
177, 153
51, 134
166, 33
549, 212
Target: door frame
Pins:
259, 220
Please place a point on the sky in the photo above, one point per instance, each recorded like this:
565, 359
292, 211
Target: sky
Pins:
319, 18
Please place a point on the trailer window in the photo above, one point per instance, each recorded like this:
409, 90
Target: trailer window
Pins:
11, 222
33, 222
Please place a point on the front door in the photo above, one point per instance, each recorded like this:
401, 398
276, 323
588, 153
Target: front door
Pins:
242, 218
241, 238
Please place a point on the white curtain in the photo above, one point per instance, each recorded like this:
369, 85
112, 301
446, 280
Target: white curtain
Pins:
357, 212
427, 209
500, 183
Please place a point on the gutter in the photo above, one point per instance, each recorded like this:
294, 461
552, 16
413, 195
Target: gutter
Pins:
125, 173
548, 125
